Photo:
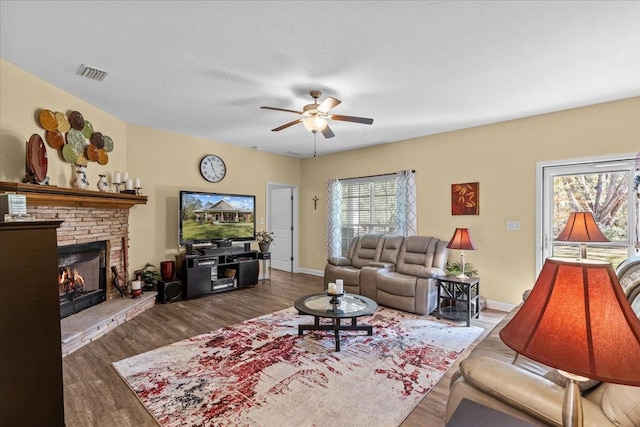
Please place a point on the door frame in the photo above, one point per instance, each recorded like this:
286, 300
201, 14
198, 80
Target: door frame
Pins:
295, 220
541, 204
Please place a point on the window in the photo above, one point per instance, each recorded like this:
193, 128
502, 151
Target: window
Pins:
604, 188
368, 206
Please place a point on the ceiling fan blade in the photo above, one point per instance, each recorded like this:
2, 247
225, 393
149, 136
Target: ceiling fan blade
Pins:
282, 109
286, 125
362, 120
327, 132
328, 104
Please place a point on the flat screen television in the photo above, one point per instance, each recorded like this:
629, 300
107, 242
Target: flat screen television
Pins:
208, 218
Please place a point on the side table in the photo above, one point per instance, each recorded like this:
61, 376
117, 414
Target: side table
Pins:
266, 272
470, 413
460, 298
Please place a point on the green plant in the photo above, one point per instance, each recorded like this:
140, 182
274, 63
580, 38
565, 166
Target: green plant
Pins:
454, 268
149, 274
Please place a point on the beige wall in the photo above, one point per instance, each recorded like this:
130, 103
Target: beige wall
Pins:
168, 163
502, 157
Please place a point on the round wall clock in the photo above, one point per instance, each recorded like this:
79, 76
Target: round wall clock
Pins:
212, 168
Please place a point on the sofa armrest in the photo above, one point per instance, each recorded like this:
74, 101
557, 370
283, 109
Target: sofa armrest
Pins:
430, 272
339, 260
524, 390
387, 266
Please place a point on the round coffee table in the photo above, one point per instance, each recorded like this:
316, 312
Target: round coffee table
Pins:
335, 307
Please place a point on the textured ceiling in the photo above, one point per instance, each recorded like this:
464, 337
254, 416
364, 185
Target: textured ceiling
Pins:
204, 68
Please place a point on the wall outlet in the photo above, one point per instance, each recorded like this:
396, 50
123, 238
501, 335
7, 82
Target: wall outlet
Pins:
513, 225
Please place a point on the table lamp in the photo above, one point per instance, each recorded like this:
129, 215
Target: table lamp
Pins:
577, 320
461, 240
581, 227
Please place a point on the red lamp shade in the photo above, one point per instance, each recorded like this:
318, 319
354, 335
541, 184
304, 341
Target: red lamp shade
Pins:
461, 240
577, 319
581, 227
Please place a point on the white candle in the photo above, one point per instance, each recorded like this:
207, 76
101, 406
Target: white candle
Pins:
339, 286
137, 183
125, 176
136, 285
116, 178
332, 288
129, 185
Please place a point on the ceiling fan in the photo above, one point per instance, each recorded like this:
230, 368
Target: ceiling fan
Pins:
315, 116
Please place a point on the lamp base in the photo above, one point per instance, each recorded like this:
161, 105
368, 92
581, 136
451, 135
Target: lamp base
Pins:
572, 404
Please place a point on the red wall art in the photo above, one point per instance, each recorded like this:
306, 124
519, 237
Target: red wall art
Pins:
465, 199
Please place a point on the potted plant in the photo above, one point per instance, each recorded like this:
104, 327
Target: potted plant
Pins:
150, 275
264, 239
453, 268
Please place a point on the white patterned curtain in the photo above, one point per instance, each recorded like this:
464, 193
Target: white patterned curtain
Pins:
406, 222
334, 217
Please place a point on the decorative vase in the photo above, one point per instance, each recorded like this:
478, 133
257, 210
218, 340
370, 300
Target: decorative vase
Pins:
264, 247
103, 185
168, 270
81, 182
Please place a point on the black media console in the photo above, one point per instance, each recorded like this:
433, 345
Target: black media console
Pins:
217, 270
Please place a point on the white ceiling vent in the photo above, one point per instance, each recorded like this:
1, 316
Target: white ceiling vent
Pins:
91, 73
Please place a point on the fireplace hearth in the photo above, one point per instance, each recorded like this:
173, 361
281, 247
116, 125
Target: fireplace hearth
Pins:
82, 276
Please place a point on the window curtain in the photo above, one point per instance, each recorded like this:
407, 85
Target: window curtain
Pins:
406, 218
334, 217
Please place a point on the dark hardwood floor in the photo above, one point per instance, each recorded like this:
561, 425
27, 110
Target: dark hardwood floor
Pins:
95, 395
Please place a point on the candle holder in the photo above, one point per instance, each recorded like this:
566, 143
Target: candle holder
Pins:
116, 187
138, 192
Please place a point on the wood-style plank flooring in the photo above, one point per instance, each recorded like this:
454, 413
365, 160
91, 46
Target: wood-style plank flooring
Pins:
95, 395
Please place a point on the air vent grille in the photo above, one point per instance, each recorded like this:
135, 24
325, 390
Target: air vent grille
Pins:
92, 73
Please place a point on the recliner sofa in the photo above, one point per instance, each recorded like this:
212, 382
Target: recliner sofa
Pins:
496, 376
395, 271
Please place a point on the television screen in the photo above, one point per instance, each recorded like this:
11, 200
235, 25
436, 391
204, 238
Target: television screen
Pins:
211, 217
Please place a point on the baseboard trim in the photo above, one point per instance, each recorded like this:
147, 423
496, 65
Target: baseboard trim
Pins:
318, 273
501, 306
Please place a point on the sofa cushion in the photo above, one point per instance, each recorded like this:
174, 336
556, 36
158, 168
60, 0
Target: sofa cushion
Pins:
338, 260
397, 284
367, 250
391, 249
621, 404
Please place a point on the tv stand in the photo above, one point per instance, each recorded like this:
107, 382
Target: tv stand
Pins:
214, 270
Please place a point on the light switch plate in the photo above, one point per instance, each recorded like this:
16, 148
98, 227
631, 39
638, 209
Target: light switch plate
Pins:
513, 225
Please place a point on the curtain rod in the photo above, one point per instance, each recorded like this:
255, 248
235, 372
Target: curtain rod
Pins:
373, 176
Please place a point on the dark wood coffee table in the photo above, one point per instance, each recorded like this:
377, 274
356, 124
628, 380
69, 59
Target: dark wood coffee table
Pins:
335, 307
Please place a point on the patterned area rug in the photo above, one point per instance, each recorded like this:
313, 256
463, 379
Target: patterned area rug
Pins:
261, 373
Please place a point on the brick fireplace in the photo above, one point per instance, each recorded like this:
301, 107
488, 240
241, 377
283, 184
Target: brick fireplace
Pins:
89, 216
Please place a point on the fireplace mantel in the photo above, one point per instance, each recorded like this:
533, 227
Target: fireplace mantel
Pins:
49, 195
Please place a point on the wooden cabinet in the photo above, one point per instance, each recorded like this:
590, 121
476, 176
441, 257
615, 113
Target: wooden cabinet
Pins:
30, 345
219, 270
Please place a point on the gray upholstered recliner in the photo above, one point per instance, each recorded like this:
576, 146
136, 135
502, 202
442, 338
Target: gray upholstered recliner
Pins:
412, 286
363, 250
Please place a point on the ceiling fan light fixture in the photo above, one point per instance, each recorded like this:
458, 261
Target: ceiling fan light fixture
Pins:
315, 123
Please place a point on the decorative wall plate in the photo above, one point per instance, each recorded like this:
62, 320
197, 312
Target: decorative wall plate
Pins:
37, 161
97, 139
103, 157
87, 130
76, 120
108, 144
48, 120
92, 152
76, 139
54, 138
69, 154
63, 122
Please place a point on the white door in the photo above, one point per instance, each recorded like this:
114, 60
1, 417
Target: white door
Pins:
605, 187
281, 224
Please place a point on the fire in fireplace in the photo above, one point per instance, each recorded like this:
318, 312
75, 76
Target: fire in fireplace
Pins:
82, 276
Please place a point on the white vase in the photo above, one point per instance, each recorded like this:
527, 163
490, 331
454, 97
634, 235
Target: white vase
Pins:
81, 182
103, 185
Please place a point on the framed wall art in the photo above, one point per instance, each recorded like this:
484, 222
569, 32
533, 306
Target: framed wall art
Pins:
465, 199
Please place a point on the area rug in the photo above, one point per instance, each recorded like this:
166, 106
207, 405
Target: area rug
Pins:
261, 373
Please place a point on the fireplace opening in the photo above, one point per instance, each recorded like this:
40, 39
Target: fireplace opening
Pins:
82, 276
